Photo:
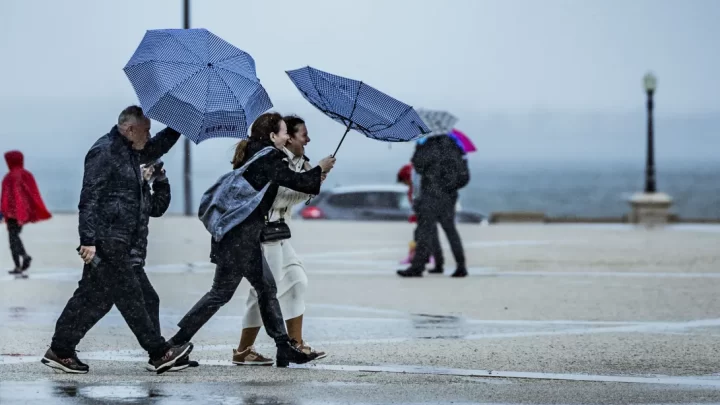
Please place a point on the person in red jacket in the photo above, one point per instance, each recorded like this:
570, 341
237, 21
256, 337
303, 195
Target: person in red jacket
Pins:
20, 204
405, 176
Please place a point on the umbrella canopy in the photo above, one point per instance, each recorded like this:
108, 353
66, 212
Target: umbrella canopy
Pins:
196, 83
465, 143
439, 122
358, 106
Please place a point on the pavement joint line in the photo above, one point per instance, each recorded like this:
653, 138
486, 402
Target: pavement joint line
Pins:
656, 327
698, 381
180, 268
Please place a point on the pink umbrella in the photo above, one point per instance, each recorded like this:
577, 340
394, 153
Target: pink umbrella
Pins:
462, 140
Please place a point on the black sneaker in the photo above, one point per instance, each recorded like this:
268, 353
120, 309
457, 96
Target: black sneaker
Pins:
15, 271
460, 272
410, 272
69, 365
181, 364
436, 270
290, 353
171, 357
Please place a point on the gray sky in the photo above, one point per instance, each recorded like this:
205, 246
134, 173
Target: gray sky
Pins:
527, 78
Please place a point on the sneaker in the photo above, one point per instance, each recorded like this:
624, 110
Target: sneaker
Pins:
460, 272
171, 357
15, 271
305, 347
249, 357
181, 364
436, 270
70, 365
290, 353
410, 272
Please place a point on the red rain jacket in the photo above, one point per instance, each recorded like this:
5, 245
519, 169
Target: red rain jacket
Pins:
21, 198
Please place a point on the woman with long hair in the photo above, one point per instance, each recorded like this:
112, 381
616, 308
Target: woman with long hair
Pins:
286, 267
235, 211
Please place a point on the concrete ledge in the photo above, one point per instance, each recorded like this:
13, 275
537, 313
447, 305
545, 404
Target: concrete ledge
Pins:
517, 217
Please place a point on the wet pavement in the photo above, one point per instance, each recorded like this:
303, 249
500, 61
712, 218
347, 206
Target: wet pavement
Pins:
550, 314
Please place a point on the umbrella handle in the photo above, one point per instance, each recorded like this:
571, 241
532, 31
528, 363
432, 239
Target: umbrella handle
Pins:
342, 139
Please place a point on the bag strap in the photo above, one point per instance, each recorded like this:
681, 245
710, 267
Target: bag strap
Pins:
282, 214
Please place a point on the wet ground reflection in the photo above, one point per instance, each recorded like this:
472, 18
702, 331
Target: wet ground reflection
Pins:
159, 394
46, 392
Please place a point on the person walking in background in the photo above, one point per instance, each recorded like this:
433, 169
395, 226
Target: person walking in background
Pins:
20, 204
443, 170
283, 262
111, 206
235, 212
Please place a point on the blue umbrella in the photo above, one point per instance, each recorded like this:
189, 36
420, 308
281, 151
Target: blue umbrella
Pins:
196, 83
358, 106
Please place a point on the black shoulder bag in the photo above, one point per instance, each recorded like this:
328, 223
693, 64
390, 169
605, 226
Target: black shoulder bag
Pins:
275, 230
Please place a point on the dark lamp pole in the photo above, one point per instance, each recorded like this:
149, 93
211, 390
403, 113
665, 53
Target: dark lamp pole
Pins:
650, 83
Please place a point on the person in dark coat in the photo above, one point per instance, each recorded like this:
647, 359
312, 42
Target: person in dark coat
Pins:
20, 204
236, 247
110, 218
443, 171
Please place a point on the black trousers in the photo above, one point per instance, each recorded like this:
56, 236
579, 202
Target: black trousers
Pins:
431, 212
239, 254
17, 250
435, 249
114, 281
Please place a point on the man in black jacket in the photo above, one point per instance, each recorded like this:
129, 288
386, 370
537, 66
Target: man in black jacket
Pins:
443, 171
110, 219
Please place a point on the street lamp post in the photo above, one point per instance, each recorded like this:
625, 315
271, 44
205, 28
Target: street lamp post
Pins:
650, 83
650, 207
187, 161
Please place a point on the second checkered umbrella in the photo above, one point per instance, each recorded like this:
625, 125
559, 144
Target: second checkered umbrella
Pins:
358, 106
196, 83
440, 122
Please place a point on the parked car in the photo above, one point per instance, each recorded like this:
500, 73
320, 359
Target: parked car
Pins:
369, 203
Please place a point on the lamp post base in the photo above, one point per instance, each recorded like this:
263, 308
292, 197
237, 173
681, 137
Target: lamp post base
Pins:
650, 209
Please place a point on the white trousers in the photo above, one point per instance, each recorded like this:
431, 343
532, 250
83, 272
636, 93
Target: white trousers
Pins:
291, 281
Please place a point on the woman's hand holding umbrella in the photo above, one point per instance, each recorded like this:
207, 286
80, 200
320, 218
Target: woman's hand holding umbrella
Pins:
326, 164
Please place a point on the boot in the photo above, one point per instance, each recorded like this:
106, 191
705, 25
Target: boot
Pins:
288, 352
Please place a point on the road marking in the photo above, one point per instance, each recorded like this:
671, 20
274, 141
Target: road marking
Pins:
699, 381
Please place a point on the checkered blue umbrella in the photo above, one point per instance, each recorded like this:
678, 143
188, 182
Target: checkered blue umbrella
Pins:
196, 83
358, 106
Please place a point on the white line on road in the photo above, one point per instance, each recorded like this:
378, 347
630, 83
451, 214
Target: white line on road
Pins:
699, 381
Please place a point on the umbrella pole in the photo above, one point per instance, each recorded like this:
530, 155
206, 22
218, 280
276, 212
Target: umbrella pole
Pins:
342, 139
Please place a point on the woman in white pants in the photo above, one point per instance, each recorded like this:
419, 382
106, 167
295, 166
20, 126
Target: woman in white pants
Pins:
286, 267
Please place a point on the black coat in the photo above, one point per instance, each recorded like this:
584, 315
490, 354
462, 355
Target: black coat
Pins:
271, 168
435, 161
111, 196
156, 203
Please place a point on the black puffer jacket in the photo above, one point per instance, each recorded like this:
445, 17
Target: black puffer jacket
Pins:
156, 202
111, 196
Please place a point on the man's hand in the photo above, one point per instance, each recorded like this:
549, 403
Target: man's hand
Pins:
87, 253
147, 172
